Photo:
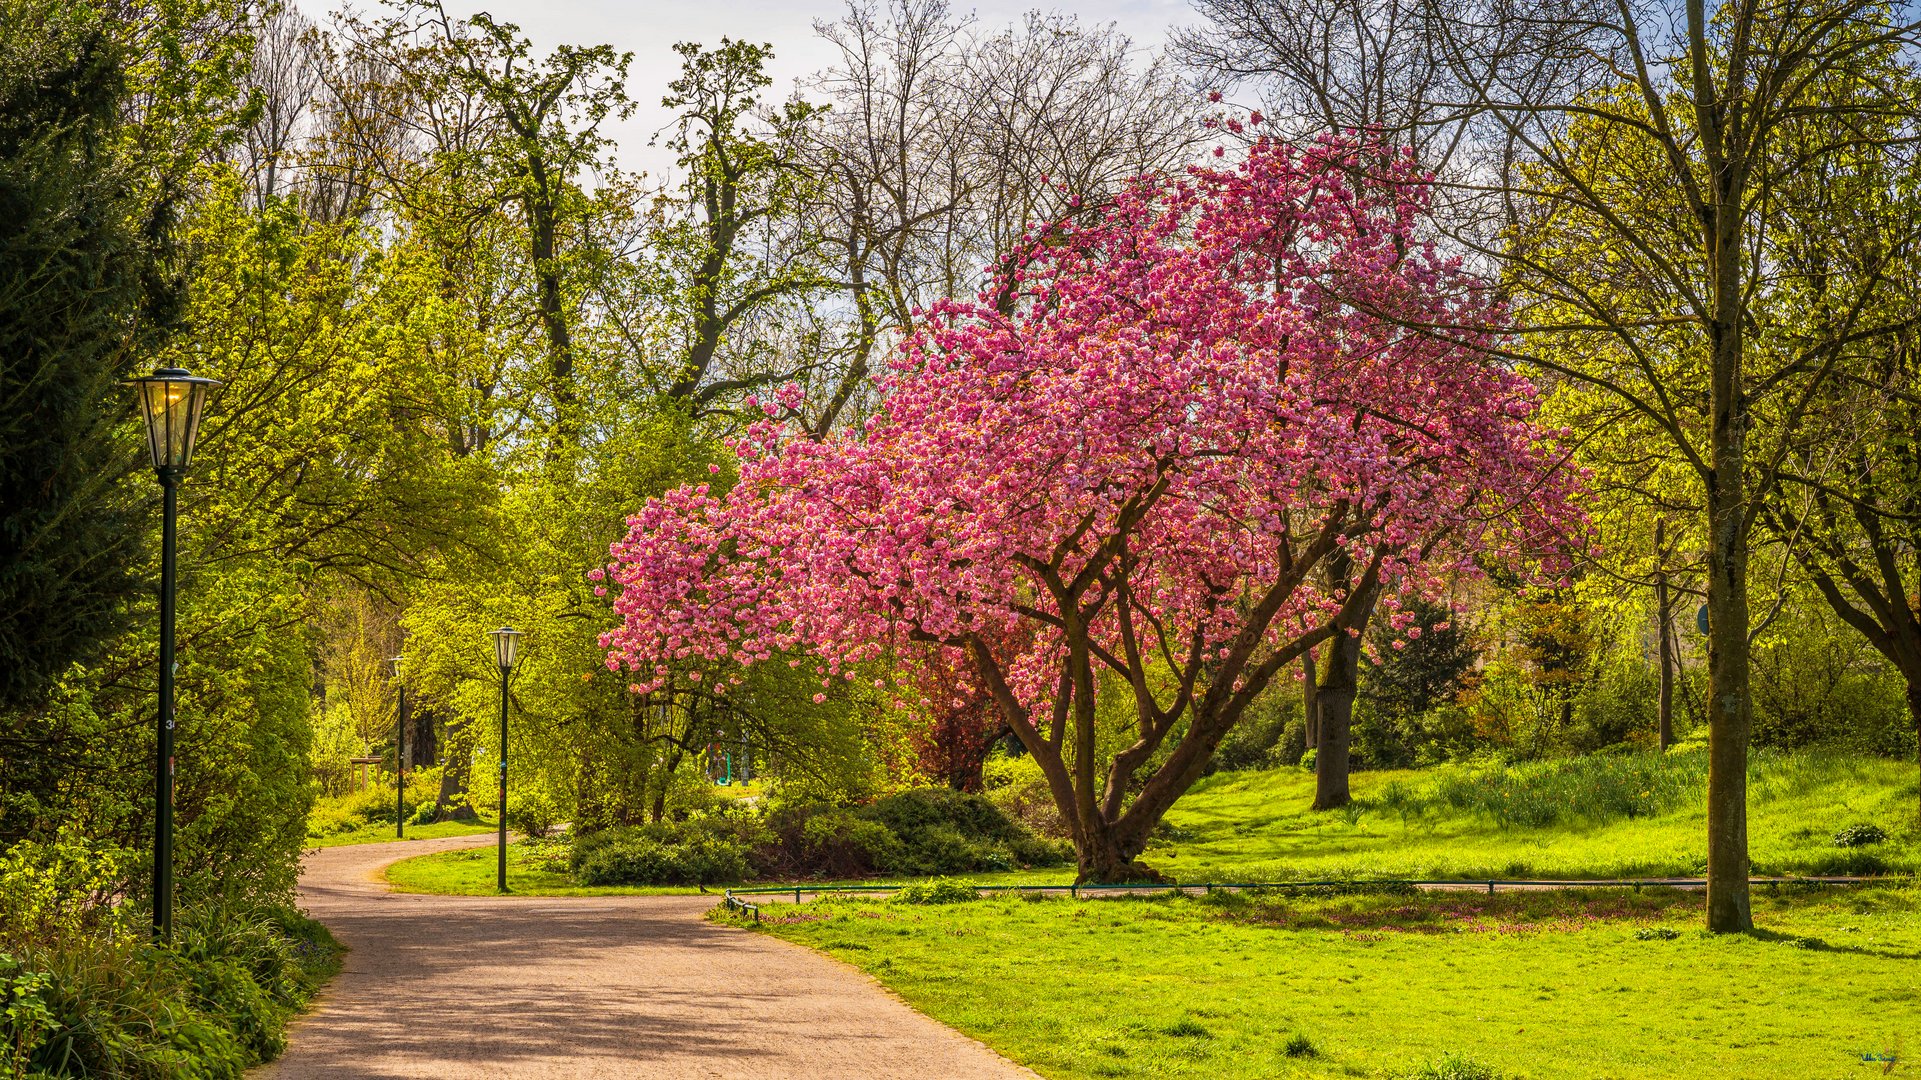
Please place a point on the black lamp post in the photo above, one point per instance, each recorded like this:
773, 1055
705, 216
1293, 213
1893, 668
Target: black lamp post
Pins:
171, 401
400, 750
506, 649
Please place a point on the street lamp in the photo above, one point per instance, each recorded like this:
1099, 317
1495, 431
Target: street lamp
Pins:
171, 401
400, 750
506, 649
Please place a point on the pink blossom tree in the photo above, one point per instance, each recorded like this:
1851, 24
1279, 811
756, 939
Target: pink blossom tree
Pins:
1174, 445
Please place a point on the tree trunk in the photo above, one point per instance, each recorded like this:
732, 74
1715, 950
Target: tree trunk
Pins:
451, 803
1103, 860
1729, 706
423, 741
1334, 704
1664, 612
1914, 713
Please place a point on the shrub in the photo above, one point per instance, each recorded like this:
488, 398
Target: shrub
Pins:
1016, 785
840, 843
630, 862
923, 831
1860, 836
1309, 757
703, 851
531, 813
938, 891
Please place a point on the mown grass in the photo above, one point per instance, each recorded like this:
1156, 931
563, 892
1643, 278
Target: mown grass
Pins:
1578, 984
1597, 817
380, 833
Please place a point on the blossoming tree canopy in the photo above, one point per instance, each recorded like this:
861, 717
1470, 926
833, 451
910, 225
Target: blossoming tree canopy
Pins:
1172, 448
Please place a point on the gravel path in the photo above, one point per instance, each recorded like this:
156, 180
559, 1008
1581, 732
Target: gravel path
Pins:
586, 988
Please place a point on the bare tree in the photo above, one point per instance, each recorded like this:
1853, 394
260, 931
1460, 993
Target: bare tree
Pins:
943, 143
285, 77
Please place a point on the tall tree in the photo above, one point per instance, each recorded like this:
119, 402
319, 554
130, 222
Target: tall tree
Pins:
81, 291
1622, 163
1138, 471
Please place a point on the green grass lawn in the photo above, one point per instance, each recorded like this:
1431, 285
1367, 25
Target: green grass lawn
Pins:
1443, 987
1256, 826
381, 833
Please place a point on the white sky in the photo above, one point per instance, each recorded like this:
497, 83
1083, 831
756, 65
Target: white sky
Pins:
649, 29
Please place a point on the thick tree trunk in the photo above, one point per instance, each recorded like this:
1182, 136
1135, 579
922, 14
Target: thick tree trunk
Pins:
1105, 860
1334, 703
1729, 705
423, 741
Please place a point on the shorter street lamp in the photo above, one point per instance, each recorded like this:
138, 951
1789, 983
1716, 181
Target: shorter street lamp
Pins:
400, 750
506, 649
171, 401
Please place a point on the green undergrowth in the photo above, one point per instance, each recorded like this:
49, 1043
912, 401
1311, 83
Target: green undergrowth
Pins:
1373, 982
114, 1005
367, 816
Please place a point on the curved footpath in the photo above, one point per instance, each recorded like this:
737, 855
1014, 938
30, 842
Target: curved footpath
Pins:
586, 988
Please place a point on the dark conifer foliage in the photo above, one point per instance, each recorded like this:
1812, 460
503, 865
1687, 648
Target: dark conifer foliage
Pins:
75, 292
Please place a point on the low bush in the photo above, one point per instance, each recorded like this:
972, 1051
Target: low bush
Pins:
374, 805
710, 849
531, 813
1860, 836
922, 831
938, 891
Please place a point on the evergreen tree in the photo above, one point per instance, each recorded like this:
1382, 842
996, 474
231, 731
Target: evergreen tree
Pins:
76, 292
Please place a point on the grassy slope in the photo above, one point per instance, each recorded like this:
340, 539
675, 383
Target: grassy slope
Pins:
1256, 826
1198, 988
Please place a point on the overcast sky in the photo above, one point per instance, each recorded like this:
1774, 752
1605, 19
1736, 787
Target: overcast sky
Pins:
649, 29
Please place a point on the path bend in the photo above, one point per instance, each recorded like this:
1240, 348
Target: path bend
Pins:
588, 988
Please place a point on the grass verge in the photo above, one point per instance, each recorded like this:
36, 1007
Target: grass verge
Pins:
534, 868
382, 833
1583, 984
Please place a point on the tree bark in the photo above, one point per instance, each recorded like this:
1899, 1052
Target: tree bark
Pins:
1334, 695
1334, 704
1729, 705
1914, 713
1664, 612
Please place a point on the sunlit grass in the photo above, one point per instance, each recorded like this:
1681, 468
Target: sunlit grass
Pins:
1592, 984
380, 833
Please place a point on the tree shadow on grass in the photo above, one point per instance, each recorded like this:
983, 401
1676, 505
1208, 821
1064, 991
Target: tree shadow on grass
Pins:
1815, 944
